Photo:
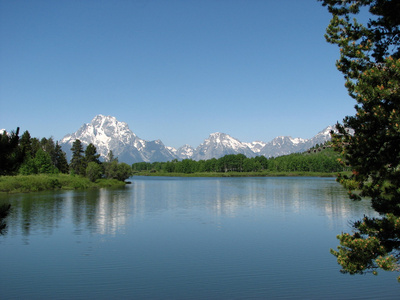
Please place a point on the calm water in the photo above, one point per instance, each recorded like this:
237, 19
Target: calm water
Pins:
185, 238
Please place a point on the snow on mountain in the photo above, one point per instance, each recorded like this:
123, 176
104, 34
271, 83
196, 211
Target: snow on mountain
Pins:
184, 152
323, 136
284, 145
108, 134
255, 146
220, 144
172, 150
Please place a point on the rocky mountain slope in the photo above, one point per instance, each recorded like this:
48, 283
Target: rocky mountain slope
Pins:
109, 134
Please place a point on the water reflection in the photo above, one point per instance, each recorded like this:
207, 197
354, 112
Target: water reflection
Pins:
97, 211
108, 211
183, 238
4, 210
112, 211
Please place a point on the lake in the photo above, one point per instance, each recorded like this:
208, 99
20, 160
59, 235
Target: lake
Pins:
185, 238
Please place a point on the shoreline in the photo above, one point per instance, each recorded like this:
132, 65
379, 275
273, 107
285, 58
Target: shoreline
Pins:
239, 174
51, 182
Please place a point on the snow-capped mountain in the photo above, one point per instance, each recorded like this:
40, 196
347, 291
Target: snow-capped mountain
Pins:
220, 144
184, 152
107, 133
255, 146
283, 145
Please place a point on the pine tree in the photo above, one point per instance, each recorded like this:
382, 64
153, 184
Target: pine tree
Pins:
61, 160
91, 154
77, 164
43, 162
370, 62
94, 169
49, 147
10, 154
25, 144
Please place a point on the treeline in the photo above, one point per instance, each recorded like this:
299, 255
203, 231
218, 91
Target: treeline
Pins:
319, 159
27, 156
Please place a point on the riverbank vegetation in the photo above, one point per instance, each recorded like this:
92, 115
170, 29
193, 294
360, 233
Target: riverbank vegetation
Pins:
47, 182
240, 174
318, 161
32, 164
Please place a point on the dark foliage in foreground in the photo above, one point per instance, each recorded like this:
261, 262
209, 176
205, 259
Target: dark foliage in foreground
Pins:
370, 62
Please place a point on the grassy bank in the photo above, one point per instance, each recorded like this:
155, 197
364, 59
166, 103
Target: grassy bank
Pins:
45, 182
239, 174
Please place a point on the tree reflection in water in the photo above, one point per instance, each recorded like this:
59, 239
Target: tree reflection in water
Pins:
4, 210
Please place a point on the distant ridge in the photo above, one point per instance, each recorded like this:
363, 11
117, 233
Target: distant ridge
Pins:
109, 134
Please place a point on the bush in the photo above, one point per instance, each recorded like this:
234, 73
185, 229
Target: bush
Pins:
94, 171
119, 171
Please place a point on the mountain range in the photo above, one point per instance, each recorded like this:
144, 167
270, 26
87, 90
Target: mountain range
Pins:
109, 134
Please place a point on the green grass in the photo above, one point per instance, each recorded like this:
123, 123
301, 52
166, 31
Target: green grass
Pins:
46, 182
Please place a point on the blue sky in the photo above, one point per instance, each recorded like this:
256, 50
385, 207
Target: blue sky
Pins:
173, 70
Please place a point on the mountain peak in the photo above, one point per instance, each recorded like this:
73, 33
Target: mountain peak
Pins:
219, 144
109, 134
218, 135
106, 133
184, 152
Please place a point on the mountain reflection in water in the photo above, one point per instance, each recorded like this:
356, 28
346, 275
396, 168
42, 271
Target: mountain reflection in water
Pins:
106, 211
185, 238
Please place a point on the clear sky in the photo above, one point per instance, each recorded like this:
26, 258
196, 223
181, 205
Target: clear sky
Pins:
175, 70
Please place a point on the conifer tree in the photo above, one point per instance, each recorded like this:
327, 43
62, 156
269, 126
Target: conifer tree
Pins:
61, 160
77, 164
35, 145
370, 62
94, 169
28, 152
43, 162
91, 154
25, 144
49, 147
10, 156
